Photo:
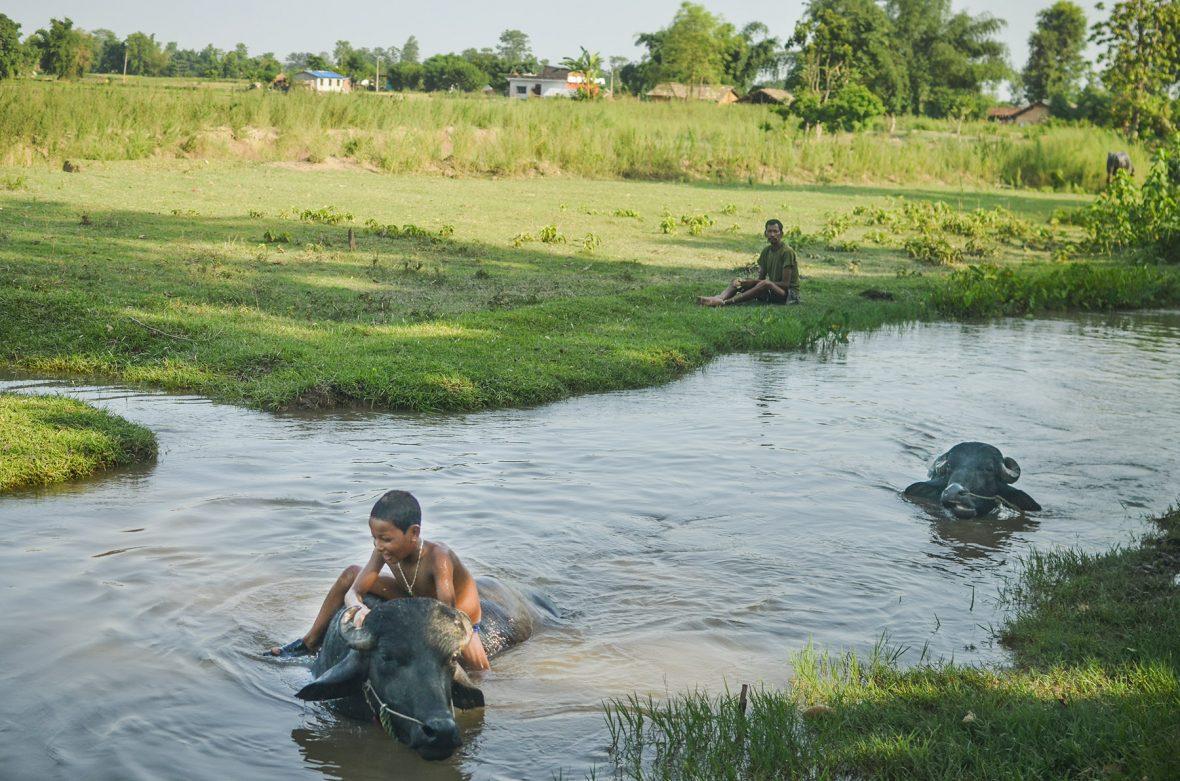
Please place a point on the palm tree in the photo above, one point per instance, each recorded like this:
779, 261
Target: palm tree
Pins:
589, 64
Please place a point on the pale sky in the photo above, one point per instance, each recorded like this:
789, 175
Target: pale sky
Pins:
556, 29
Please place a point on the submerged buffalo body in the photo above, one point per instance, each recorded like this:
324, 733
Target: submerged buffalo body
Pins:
973, 479
402, 665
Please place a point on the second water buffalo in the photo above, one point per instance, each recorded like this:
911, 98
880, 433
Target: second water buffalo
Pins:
973, 479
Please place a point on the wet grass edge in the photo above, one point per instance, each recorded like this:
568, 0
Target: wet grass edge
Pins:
1093, 692
52, 439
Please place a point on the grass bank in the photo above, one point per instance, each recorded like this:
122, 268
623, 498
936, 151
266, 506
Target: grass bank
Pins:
239, 282
52, 121
1094, 692
51, 439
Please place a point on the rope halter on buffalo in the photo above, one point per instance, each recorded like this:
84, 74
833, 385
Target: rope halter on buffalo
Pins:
384, 711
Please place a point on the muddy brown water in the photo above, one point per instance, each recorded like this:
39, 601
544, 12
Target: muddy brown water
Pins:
693, 535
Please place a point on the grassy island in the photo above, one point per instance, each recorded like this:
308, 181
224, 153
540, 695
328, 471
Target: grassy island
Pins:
51, 439
1093, 692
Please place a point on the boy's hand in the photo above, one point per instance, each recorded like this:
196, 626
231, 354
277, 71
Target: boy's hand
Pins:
473, 656
356, 615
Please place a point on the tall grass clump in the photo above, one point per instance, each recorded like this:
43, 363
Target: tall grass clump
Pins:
50, 439
50, 121
988, 290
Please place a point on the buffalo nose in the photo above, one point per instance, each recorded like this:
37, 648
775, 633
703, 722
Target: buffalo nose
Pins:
440, 733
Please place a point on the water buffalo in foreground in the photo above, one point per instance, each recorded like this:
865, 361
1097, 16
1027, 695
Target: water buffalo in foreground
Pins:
973, 479
1118, 161
401, 666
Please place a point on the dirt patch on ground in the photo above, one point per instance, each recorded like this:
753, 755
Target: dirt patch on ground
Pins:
327, 164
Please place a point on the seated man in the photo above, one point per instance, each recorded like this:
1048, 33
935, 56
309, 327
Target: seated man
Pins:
417, 568
778, 276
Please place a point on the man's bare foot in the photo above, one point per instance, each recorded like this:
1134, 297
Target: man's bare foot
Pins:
704, 300
711, 301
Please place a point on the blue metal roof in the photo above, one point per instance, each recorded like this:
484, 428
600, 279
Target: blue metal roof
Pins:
325, 74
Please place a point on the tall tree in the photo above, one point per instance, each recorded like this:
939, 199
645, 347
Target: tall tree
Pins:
691, 47
12, 52
516, 50
144, 55
748, 53
1142, 63
1055, 64
941, 49
847, 42
64, 50
410, 51
451, 72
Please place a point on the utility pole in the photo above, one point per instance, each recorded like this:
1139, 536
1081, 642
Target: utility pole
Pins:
124, 62
378, 86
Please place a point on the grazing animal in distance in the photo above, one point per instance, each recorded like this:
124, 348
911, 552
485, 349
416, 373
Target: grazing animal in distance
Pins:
1118, 161
971, 480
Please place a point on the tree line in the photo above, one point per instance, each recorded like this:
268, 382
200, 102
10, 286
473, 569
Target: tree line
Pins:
846, 61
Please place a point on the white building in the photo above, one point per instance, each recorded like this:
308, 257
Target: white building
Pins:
549, 83
322, 81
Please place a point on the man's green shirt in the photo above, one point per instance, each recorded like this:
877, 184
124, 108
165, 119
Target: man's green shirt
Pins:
773, 263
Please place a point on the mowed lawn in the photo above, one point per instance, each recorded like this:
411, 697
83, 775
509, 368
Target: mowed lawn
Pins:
209, 277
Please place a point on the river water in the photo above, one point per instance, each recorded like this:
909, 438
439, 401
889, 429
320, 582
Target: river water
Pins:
693, 535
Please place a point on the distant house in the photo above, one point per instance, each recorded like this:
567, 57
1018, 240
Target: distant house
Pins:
713, 93
1032, 114
769, 95
549, 83
322, 81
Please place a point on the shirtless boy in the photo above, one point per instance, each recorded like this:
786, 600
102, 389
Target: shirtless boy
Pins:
416, 567
778, 275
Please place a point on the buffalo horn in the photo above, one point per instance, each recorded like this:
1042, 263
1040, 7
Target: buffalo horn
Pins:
359, 638
1009, 470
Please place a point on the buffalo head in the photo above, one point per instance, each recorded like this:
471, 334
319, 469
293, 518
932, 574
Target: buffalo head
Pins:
402, 666
973, 479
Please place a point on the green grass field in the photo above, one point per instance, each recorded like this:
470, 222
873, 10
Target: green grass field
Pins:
51, 439
209, 277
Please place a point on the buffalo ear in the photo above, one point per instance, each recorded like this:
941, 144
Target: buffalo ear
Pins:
341, 680
931, 490
464, 694
1018, 498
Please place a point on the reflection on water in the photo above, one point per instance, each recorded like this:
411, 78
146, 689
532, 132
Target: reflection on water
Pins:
692, 535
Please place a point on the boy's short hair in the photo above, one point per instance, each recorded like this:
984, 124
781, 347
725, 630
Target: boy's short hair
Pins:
399, 508
773, 221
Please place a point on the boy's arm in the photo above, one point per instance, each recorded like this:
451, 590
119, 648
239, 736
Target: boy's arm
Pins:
474, 657
364, 581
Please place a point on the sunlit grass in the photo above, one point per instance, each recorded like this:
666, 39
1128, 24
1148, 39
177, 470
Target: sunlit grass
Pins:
51, 439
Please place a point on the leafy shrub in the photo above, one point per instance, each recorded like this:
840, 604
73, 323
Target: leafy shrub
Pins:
549, 235
275, 237
667, 223
329, 215
627, 213
696, 223
591, 242
933, 249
